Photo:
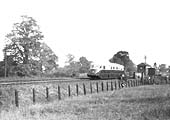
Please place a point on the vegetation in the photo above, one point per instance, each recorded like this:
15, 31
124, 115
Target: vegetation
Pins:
122, 57
74, 68
25, 53
139, 103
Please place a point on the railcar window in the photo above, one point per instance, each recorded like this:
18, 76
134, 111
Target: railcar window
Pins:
116, 67
100, 66
103, 67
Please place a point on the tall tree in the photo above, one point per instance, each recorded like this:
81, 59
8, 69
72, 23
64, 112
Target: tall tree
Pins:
24, 44
122, 57
24, 40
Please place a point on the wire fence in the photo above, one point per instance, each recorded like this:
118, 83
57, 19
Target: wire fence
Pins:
77, 89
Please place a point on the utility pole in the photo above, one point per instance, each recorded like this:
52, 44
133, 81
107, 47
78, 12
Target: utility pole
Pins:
145, 66
145, 59
5, 60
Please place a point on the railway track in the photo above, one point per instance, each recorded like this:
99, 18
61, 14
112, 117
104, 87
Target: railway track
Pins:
47, 80
43, 80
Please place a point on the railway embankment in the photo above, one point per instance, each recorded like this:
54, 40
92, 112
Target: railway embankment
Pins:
26, 93
135, 103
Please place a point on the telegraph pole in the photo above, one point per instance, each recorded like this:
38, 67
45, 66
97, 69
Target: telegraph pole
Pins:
145, 59
145, 66
5, 60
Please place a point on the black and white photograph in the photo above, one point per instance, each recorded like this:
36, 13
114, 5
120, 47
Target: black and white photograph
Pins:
85, 60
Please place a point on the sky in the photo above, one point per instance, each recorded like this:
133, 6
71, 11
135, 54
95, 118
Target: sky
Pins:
96, 29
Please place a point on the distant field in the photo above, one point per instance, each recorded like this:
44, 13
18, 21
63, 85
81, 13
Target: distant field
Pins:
137, 103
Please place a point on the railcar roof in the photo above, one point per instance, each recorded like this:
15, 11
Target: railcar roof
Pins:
108, 64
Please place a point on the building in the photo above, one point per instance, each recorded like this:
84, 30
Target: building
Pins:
143, 68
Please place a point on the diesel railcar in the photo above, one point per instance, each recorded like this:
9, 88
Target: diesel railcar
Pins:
106, 71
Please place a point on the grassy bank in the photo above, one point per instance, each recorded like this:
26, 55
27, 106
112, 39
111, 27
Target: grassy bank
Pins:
138, 103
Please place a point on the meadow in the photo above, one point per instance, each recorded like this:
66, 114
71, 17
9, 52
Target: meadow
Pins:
149, 102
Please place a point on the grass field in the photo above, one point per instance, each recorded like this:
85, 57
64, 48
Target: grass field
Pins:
150, 102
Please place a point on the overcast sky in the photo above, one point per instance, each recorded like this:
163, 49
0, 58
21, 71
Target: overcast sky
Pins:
96, 29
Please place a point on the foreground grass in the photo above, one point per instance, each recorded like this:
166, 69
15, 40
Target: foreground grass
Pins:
139, 103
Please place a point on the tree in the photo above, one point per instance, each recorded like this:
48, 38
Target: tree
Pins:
24, 40
70, 58
84, 65
72, 67
122, 57
48, 60
2, 69
24, 44
75, 67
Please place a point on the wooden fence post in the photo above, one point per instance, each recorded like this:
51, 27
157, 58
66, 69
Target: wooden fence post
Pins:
16, 99
59, 93
77, 89
107, 86
150, 81
153, 80
119, 84
127, 82
97, 87
111, 85
139, 82
166, 80
102, 86
131, 82
84, 89
69, 92
91, 89
33, 92
47, 93
115, 85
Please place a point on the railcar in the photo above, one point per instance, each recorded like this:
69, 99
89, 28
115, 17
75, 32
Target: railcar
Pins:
106, 71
